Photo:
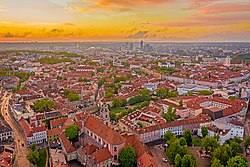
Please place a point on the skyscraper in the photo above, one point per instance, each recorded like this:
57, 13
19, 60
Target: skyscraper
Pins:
141, 45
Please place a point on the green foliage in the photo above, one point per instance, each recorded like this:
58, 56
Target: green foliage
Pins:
170, 115
237, 161
117, 103
72, 132
162, 93
100, 70
141, 124
216, 163
169, 137
182, 141
181, 103
101, 82
187, 134
246, 142
205, 92
33, 157
66, 92
190, 93
109, 94
188, 161
54, 60
209, 144
232, 98
42, 158
138, 99
196, 142
144, 92
174, 149
83, 80
166, 70
72, 96
178, 161
204, 131
127, 157
44, 105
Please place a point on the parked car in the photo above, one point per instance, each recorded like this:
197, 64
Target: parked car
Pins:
164, 160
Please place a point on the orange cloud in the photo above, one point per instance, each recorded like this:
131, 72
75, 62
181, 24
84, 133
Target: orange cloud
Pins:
226, 7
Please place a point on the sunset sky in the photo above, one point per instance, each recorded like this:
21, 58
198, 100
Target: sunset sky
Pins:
124, 20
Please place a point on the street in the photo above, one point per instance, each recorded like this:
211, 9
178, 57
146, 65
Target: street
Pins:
19, 139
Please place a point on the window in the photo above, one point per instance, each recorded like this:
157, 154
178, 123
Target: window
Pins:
115, 149
115, 157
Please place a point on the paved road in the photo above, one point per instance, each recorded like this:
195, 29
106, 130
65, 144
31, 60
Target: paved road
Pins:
19, 139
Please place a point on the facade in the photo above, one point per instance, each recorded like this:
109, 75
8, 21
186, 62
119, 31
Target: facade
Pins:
6, 133
33, 134
104, 135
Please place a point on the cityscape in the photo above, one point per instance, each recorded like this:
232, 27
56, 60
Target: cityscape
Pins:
108, 83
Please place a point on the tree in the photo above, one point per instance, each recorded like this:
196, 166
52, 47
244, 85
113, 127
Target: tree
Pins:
100, 82
117, 103
177, 160
174, 149
204, 131
170, 115
187, 134
162, 93
109, 94
223, 153
33, 157
216, 163
232, 98
205, 92
124, 102
66, 92
127, 157
44, 105
190, 93
188, 161
247, 142
182, 141
33, 147
144, 92
72, 96
169, 137
72, 132
209, 143
181, 103
237, 161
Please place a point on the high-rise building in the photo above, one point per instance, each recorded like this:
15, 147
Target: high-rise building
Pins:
141, 45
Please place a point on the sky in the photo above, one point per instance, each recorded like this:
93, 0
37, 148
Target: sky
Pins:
125, 20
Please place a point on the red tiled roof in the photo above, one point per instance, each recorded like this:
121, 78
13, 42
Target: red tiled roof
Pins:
106, 133
102, 155
68, 146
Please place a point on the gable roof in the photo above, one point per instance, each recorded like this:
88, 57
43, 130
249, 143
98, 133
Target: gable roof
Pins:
106, 133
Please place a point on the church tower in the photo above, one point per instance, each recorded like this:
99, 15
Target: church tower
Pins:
104, 114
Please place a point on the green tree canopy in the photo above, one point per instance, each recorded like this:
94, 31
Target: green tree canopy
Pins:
72, 96
33, 157
187, 134
144, 92
204, 131
72, 132
170, 115
209, 144
216, 163
169, 137
237, 161
117, 103
188, 161
127, 157
162, 93
44, 105
178, 160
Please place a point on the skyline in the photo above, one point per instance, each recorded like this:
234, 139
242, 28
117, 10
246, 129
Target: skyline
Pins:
125, 20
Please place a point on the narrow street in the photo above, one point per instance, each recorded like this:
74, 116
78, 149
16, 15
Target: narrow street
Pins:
19, 139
